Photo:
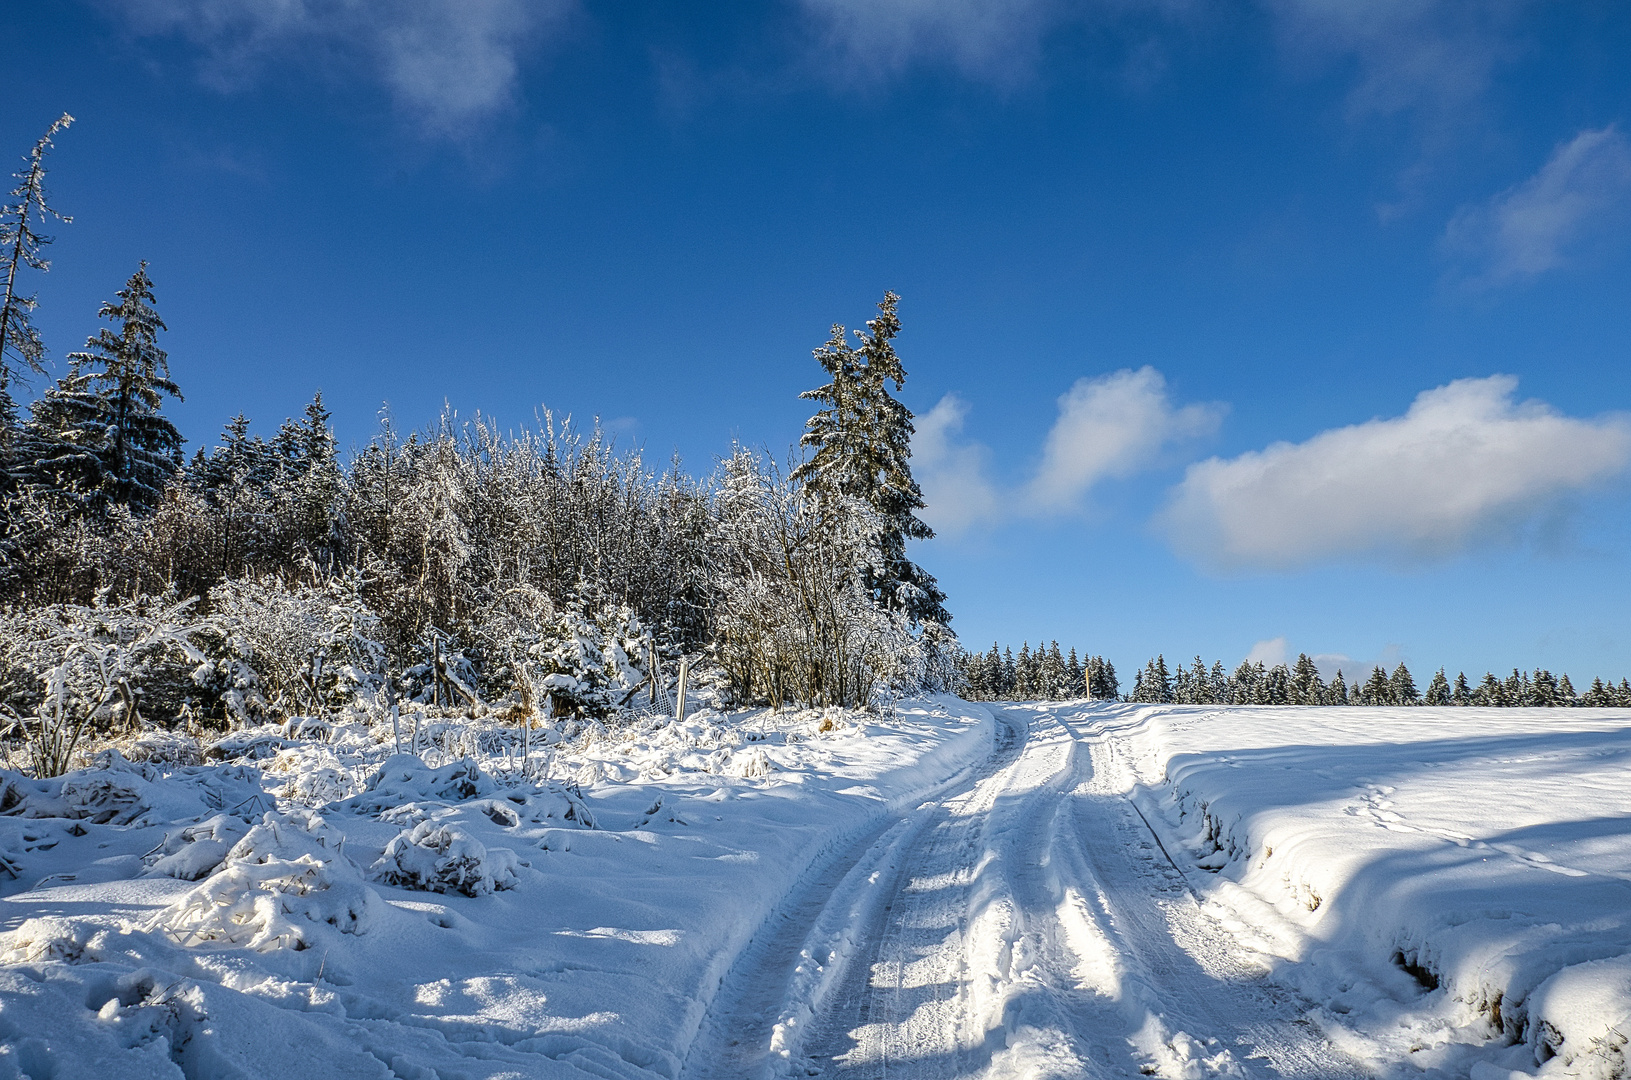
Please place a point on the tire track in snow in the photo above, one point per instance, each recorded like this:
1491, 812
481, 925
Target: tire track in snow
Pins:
757, 1024
1025, 925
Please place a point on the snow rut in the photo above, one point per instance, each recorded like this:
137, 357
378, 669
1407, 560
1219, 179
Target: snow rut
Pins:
1025, 925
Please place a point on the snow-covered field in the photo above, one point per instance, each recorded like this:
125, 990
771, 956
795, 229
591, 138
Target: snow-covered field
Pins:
1452, 886
1025, 891
325, 909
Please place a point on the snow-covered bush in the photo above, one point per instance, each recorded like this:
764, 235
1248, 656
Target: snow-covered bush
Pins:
96, 669
588, 666
106, 796
315, 648
794, 621
403, 778
280, 887
442, 857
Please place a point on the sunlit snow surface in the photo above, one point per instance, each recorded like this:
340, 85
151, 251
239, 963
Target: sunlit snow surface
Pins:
320, 908
595, 956
1369, 853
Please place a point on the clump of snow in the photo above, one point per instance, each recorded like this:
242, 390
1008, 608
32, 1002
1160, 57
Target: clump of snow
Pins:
113, 794
192, 851
441, 857
274, 889
252, 744
164, 748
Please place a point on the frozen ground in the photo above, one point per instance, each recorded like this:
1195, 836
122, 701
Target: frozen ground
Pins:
1062, 890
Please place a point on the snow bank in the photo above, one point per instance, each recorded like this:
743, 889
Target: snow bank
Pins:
1456, 883
323, 906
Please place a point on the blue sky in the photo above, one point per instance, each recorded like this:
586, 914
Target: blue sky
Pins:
1175, 275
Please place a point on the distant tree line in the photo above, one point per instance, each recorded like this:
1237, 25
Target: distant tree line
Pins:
1255, 683
1047, 673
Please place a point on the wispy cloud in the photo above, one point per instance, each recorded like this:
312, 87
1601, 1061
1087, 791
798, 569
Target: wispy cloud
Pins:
1108, 427
447, 64
1466, 461
995, 41
1436, 56
955, 476
988, 39
1583, 191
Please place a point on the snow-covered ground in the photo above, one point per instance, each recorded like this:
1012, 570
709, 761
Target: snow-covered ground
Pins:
276, 916
1025, 891
1452, 885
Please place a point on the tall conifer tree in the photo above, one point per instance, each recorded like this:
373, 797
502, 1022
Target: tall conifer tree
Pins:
99, 431
861, 443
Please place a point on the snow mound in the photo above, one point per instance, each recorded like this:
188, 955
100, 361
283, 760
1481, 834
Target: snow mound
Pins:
192, 851
277, 888
48, 939
404, 778
442, 857
115, 794
165, 748
254, 744
753, 764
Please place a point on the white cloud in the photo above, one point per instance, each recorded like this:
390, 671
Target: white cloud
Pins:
1526, 230
954, 478
447, 63
1111, 427
1107, 428
1269, 652
1464, 462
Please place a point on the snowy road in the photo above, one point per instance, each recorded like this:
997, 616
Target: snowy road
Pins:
1024, 923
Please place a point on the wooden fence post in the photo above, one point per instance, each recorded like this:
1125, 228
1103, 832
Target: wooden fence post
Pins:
685, 673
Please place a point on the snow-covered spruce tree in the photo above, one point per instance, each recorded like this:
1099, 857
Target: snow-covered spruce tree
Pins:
861, 443
1462, 695
1307, 688
1197, 684
1024, 676
22, 247
1438, 690
1242, 689
1337, 693
1491, 692
99, 432
309, 489
1275, 687
1053, 673
1377, 690
1543, 689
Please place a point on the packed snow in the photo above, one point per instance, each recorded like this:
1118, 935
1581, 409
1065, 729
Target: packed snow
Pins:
1022, 891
